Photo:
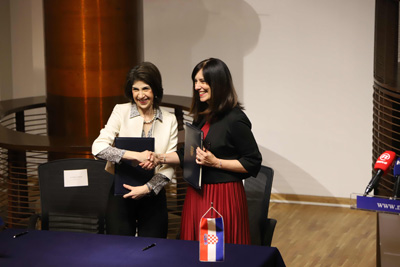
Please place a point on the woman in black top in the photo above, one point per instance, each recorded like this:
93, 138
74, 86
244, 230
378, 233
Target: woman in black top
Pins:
230, 155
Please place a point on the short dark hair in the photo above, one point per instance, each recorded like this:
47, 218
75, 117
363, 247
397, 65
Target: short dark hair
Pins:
223, 94
148, 73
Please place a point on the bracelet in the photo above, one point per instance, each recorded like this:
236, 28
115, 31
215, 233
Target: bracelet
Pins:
220, 165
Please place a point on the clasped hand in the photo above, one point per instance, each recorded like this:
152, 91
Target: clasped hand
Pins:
152, 160
203, 157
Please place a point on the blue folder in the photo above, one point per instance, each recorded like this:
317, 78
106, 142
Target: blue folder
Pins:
126, 172
191, 170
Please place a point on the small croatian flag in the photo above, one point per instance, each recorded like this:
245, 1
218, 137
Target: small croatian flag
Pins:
212, 247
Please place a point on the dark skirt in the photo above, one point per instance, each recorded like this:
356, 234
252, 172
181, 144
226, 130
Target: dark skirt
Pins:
229, 199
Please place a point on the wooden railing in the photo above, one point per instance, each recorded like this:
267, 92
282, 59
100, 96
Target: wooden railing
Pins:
24, 145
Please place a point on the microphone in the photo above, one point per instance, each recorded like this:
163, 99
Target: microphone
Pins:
381, 166
396, 173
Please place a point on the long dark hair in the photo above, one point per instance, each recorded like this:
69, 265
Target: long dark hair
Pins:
148, 73
223, 95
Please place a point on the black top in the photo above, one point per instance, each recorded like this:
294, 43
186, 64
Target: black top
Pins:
230, 138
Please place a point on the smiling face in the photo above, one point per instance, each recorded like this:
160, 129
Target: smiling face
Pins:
143, 95
202, 87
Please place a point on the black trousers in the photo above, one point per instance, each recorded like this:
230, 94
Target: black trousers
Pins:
148, 215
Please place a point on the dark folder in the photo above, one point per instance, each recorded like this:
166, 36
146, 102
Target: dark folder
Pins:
191, 170
125, 172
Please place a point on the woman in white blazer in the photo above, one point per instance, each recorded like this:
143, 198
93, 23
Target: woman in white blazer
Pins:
143, 210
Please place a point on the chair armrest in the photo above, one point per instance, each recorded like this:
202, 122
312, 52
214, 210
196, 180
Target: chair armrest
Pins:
33, 219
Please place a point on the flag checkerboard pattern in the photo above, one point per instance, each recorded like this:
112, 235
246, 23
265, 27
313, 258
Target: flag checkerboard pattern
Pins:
211, 239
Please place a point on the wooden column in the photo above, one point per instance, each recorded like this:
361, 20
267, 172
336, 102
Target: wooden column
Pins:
89, 47
386, 97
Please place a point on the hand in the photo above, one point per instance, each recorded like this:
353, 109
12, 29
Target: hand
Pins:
146, 161
151, 162
206, 158
143, 156
157, 159
137, 192
138, 158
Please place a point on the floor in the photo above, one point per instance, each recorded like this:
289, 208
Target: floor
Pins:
311, 235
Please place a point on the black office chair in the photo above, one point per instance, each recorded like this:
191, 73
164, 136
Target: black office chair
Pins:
77, 208
258, 194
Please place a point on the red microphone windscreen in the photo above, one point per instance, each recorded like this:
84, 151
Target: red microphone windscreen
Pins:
384, 161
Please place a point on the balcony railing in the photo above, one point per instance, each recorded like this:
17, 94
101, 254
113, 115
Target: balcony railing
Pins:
24, 145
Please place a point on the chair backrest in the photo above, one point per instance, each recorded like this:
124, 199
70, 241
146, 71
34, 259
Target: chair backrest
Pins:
258, 194
76, 208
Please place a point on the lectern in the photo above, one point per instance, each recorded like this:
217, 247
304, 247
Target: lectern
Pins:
388, 226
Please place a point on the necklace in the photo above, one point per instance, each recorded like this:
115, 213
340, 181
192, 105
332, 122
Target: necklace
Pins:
150, 121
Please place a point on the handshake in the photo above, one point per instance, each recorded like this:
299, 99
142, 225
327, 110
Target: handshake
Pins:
148, 160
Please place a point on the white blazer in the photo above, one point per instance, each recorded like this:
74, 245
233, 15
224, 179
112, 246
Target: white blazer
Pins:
120, 124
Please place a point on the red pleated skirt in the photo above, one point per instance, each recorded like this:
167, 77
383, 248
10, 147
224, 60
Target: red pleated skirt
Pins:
229, 199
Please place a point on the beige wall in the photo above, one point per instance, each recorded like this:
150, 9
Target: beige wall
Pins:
302, 68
